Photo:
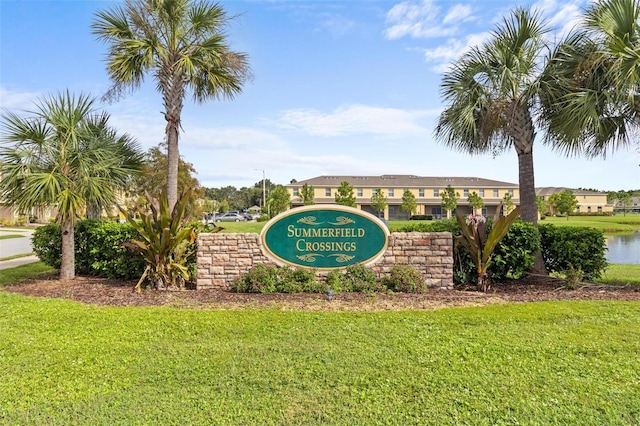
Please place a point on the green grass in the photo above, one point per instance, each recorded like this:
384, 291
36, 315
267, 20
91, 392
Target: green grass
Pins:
23, 273
531, 364
10, 236
242, 227
618, 273
607, 224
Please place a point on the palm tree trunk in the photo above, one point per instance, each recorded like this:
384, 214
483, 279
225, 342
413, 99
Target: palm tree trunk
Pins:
524, 136
173, 97
67, 264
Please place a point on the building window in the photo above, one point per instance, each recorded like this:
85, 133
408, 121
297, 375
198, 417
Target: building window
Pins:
436, 192
327, 192
296, 192
421, 192
495, 193
589, 209
484, 211
359, 192
481, 193
390, 190
511, 191
599, 209
465, 192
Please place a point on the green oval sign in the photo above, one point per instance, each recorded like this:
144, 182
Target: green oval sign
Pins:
324, 237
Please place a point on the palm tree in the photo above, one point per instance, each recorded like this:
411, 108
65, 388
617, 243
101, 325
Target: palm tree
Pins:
64, 156
492, 94
592, 83
183, 45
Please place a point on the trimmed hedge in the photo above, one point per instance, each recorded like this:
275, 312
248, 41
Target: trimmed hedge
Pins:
98, 248
567, 248
563, 248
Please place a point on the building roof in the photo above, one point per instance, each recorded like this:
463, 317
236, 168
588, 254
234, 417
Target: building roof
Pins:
550, 190
405, 181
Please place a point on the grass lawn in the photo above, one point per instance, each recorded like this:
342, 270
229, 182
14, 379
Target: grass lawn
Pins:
529, 364
607, 224
618, 273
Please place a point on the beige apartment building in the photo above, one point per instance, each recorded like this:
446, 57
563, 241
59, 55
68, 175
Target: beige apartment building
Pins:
588, 201
426, 190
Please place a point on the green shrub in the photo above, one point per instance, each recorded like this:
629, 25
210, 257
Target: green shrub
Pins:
515, 254
405, 279
266, 279
47, 244
565, 248
259, 279
299, 280
359, 278
99, 249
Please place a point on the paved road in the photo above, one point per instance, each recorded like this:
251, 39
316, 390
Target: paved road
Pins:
15, 246
7, 264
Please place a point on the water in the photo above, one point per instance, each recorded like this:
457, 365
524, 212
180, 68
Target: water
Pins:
623, 248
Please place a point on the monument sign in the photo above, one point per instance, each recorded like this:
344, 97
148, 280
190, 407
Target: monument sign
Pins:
324, 237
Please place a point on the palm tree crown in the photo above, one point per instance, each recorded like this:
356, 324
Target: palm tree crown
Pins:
183, 45
592, 83
492, 95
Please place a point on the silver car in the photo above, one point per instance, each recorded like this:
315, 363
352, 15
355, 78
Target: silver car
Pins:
231, 217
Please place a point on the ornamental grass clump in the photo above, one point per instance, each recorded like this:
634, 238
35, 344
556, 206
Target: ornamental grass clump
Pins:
479, 243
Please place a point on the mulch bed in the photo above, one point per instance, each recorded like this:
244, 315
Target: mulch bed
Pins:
105, 292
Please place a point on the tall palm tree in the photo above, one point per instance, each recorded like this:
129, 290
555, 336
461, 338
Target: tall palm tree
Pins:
63, 155
592, 82
492, 94
182, 43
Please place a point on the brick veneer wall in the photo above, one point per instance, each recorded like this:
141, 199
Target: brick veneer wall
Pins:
224, 257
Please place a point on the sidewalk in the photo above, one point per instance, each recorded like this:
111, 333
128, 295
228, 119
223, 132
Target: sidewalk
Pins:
6, 264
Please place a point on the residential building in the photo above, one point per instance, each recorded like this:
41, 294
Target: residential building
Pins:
426, 190
588, 201
634, 207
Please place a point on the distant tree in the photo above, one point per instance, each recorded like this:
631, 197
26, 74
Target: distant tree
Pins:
345, 195
153, 179
449, 200
409, 204
475, 201
378, 200
278, 201
507, 203
542, 205
307, 194
624, 201
565, 202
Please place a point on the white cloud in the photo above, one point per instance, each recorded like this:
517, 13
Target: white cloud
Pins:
355, 119
458, 13
418, 20
444, 55
18, 100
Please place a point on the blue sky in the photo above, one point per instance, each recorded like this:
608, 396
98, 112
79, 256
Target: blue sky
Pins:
339, 88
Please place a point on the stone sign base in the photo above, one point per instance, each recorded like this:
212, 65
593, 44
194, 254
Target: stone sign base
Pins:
222, 258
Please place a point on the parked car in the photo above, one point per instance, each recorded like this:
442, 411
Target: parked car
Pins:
231, 217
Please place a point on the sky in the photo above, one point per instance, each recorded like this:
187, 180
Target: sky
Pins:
338, 88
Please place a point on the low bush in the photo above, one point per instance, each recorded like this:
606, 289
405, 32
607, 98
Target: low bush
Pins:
267, 279
405, 279
99, 249
515, 254
421, 217
568, 248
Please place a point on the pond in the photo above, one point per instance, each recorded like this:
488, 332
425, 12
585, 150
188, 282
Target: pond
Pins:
623, 248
